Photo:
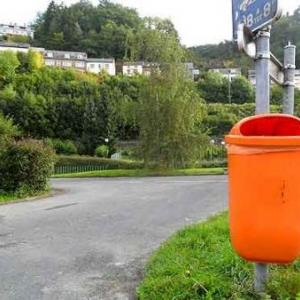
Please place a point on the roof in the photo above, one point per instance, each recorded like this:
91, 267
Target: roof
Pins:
15, 45
102, 60
139, 63
65, 52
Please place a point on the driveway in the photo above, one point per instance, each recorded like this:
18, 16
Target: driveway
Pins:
93, 240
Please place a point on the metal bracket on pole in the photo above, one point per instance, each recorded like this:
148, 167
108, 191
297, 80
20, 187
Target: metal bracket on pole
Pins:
289, 77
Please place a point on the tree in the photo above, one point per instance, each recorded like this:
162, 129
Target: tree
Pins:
213, 88
170, 110
8, 65
242, 91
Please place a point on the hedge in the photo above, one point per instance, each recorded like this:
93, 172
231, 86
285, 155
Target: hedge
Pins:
109, 164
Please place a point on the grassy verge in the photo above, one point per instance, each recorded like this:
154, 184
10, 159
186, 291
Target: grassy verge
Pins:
199, 263
13, 197
141, 173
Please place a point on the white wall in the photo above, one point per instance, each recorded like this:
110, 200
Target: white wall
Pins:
132, 69
14, 49
97, 67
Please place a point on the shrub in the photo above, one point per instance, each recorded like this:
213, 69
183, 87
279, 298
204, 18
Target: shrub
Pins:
7, 131
102, 151
26, 167
65, 147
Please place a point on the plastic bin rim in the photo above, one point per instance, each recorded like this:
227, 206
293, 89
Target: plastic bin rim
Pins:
263, 140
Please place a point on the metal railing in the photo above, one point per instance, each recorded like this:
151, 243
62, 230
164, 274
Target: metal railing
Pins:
78, 169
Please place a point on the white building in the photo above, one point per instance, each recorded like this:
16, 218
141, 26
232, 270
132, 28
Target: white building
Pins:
96, 65
15, 29
65, 59
297, 79
14, 47
228, 73
132, 68
252, 78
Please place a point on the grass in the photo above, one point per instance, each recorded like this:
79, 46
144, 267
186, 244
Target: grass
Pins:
7, 197
143, 173
199, 263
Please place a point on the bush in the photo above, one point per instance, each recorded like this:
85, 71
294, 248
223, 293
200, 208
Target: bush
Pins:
26, 166
102, 151
108, 164
65, 147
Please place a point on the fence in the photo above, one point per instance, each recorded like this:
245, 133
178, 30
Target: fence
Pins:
78, 169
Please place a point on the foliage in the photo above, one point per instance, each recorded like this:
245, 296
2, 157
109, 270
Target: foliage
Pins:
220, 118
29, 62
25, 167
8, 131
198, 262
66, 105
64, 147
214, 88
170, 114
102, 151
8, 66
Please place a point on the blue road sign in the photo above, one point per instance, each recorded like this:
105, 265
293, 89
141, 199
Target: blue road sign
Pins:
255, 14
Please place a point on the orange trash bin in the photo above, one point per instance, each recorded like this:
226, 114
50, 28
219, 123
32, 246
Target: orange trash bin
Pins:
264, 188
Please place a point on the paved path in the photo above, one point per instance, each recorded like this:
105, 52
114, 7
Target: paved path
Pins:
92, 241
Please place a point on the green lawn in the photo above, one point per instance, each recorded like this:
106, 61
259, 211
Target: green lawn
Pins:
199, 263
140, 173
12, 197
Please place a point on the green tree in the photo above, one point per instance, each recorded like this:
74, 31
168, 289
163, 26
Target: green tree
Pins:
213, 88
242, 91
8, 66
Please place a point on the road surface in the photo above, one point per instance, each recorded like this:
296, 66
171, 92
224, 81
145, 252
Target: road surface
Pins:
92, 240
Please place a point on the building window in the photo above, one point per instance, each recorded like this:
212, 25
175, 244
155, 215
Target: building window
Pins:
100, 66
67, 56
58, 63
79, 56
49, 62
79, 65
49, 54
107, 66
92, 66
67, 64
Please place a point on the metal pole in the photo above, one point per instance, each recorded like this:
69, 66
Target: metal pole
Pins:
261, 277
262, 68
262, 71
289, 76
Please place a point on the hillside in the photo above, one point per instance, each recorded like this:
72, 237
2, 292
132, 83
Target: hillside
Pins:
226, 54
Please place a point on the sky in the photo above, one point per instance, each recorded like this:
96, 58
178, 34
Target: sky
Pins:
197, 21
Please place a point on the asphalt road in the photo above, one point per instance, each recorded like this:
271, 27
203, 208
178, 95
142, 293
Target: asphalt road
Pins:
92, 240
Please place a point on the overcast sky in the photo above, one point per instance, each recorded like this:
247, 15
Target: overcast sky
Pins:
197, 21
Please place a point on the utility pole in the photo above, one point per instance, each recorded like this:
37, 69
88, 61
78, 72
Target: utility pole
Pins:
289, 75
262, 67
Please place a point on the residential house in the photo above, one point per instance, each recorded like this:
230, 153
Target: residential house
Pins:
193, 73
15, 29
96, 65
252, 78
297, 79
131, 68
65, 59
229, 73
15, 47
